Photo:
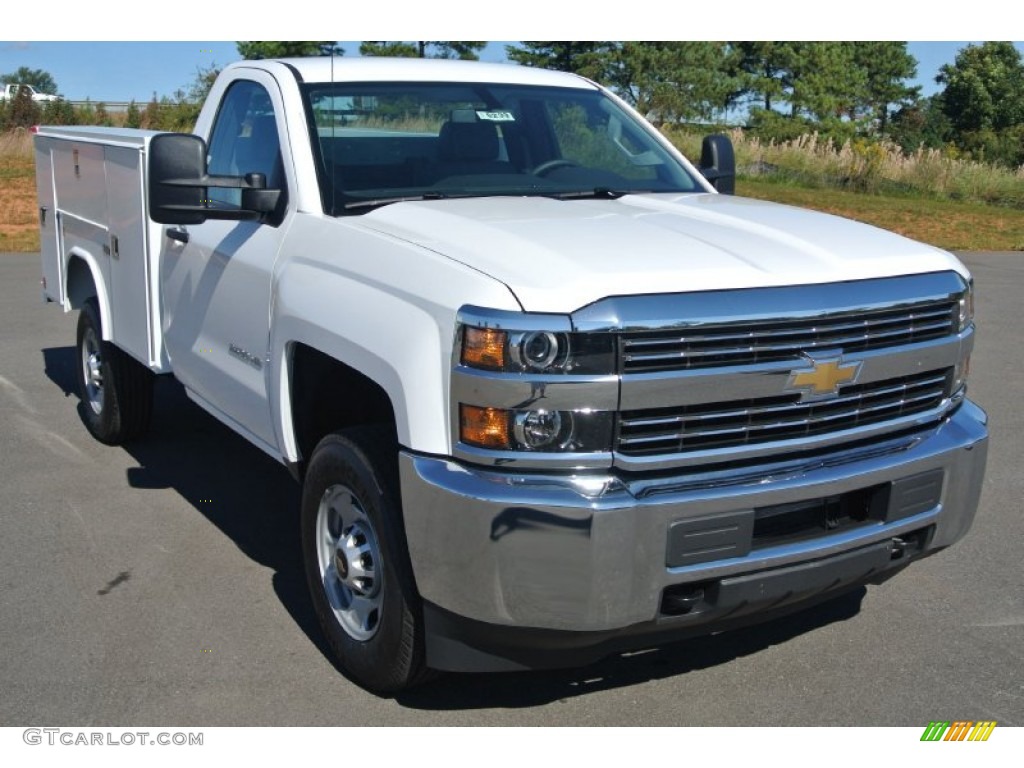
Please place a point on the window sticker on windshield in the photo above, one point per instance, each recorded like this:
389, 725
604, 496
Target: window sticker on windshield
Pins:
496, 117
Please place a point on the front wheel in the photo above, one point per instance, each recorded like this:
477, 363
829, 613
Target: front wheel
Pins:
116, 391
357, 562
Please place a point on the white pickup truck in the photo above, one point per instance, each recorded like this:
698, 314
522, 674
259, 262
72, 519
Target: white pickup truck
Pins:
550, 393
10, 90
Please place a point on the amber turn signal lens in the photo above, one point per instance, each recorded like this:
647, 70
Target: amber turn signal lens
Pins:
484, 348
484, 427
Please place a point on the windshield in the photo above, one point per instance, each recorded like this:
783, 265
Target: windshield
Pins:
377, 143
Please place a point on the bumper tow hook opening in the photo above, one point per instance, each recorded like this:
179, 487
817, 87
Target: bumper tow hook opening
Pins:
678, 603
899, 547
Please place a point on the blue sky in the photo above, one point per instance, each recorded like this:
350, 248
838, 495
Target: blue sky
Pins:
120, 71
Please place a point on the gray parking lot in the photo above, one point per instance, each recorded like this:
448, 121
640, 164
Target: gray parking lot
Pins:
160, 583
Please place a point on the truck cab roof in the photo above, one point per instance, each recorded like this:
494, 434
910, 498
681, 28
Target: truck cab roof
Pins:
325, 69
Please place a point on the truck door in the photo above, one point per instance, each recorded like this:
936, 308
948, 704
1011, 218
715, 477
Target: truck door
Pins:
217, 276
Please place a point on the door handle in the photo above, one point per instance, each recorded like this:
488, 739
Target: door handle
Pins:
180, 235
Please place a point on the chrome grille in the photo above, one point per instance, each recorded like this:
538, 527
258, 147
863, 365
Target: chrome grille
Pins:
773, 340
760, 420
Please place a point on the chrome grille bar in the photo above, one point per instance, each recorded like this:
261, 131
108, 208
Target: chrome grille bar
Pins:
733, 424
782, 340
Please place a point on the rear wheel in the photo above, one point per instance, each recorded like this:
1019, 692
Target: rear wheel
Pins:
357, 562
116, 391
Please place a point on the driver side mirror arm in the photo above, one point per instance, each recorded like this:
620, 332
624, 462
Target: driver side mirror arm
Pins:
178, 184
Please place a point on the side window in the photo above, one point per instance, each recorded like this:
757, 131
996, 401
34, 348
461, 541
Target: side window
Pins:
245, 140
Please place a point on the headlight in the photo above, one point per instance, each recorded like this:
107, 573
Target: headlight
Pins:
960, 374
538, 350
511, 351
538, 430
965, 310
963, 316
527, 387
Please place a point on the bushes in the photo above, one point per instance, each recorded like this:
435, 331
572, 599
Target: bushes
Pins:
59, 112
867, 166
165, 114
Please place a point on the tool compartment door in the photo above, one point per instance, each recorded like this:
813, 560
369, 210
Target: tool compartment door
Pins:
49, 247
128, 258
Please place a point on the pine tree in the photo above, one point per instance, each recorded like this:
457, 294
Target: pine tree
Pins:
133, 117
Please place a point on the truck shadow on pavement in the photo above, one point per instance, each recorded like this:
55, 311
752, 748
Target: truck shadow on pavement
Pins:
253, 501
512, 690
247, 495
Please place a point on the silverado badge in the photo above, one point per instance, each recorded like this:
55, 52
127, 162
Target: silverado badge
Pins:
822, 380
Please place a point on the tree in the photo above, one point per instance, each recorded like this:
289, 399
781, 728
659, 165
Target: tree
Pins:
23, 111
837, 88
887, 66
133, 117
151, 115
767, 66
404, 50
458, 49
102, 116
58, 112
423, 49
588, 58
200, 86
39, 79
984, 88
85, 113
672, 81
921, 123
266, 49
984, 101
824, 80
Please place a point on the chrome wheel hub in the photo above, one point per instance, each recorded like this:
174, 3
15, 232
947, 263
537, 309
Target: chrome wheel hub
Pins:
350, 564
92, 370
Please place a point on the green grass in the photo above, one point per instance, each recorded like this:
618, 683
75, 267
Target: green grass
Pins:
950, 224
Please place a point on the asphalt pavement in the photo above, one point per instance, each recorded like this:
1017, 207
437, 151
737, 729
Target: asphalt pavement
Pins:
160, 583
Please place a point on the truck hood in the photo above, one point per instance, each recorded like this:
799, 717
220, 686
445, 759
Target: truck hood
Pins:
560, 255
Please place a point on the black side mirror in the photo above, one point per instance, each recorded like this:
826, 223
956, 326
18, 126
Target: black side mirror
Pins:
173, 159
718, 163
178, 182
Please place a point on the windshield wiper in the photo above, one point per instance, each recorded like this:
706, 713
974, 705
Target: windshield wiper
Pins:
596, 193
379, 201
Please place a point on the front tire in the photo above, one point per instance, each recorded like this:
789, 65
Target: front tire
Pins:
357, 562
116, 391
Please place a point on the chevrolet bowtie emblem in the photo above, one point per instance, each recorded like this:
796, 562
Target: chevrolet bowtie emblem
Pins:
822, 380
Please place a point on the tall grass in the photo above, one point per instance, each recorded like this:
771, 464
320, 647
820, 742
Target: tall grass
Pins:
867, 166
15, 144
16, 156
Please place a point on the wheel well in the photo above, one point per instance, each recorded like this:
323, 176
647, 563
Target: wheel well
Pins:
327, 395
80, 285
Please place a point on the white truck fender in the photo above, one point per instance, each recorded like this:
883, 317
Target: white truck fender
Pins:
98, 283
394, 356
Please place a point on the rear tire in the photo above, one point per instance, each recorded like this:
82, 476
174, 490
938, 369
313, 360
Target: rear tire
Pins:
116, 390
357, 562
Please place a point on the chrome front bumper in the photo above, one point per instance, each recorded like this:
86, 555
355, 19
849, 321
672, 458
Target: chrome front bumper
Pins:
588, 553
